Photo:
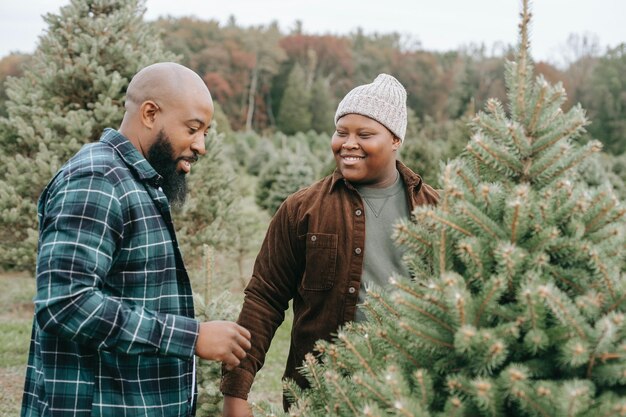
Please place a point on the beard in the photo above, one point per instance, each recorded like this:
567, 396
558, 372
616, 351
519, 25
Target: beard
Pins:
161, 157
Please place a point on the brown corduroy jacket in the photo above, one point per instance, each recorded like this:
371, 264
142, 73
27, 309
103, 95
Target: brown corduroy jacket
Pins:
312, 253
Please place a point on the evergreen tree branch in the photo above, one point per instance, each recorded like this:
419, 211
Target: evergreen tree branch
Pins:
466, 251
502, 157
537, 111
519, 138
401, 301
569, 283
617, 303
495, 289
557, 305
348, 344
515, 219
546, 162
461, 174
404, 325
403, 231
481, 220
551, 109
522, 61
310, 364
610, 202
569, 128
576, 158
362, 382
407, 289
523, 395
608, 326
599, 265
334, 378
367, 305
433, 215
385, 336
442, 251
423, 387
460, 308
378, 297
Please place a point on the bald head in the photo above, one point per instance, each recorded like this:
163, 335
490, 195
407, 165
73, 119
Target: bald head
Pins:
165, 97
164, 82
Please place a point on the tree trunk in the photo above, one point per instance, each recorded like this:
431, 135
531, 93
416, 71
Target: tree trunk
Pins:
251, 97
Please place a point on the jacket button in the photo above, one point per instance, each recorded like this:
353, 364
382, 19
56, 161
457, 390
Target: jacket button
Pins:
358, 212
351, 290
357, 251
313, 238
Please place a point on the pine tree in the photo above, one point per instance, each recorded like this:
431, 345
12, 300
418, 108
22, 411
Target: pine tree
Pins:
210, 306
517, 306
11, 65
208, 217
294, 114
606, 95
72, 89
322, 107
284, 174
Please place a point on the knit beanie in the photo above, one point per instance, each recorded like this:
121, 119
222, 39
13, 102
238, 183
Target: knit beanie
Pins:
384, 100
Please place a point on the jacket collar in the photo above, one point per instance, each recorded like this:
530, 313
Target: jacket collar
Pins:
410, 178
131, 156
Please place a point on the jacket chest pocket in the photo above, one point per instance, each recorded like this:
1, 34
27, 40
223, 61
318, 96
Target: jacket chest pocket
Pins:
321, 261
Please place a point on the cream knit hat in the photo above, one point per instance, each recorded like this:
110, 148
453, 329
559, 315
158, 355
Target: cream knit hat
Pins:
384, 100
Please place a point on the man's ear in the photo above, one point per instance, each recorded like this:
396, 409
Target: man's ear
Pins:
148, 112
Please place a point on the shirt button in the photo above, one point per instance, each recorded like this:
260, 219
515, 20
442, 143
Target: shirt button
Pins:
313, 238
351, 290
357, 251
358, 212
160, 189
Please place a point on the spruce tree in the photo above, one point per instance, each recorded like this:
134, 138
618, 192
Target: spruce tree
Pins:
208, 373
322, 107
606, 94
72, 89
208, 215
294, 114
11, 65
284, 174
517, 304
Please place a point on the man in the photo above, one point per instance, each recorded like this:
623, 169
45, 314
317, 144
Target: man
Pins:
316, 252
114, 333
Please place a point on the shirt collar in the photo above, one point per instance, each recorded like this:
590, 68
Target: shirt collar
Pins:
131, 156
410, 178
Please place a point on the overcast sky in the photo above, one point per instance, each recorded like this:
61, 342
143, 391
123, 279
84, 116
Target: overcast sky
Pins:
437, 24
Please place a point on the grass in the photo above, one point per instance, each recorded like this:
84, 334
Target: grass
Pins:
16, 314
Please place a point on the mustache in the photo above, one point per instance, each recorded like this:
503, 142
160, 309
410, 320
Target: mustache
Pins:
191, 159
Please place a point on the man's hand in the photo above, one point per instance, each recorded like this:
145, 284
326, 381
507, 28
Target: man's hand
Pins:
223, 341
236, 407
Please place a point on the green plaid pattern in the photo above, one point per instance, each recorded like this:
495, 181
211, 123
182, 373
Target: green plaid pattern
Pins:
113, 333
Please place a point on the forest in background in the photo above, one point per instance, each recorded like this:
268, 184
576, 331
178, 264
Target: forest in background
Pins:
267, 80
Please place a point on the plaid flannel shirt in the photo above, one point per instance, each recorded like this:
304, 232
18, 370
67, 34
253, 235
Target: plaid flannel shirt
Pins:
113, 333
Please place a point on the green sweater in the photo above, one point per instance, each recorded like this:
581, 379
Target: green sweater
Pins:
384, 207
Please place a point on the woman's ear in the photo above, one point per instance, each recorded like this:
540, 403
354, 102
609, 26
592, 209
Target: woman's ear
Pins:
396, 143
148, 111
